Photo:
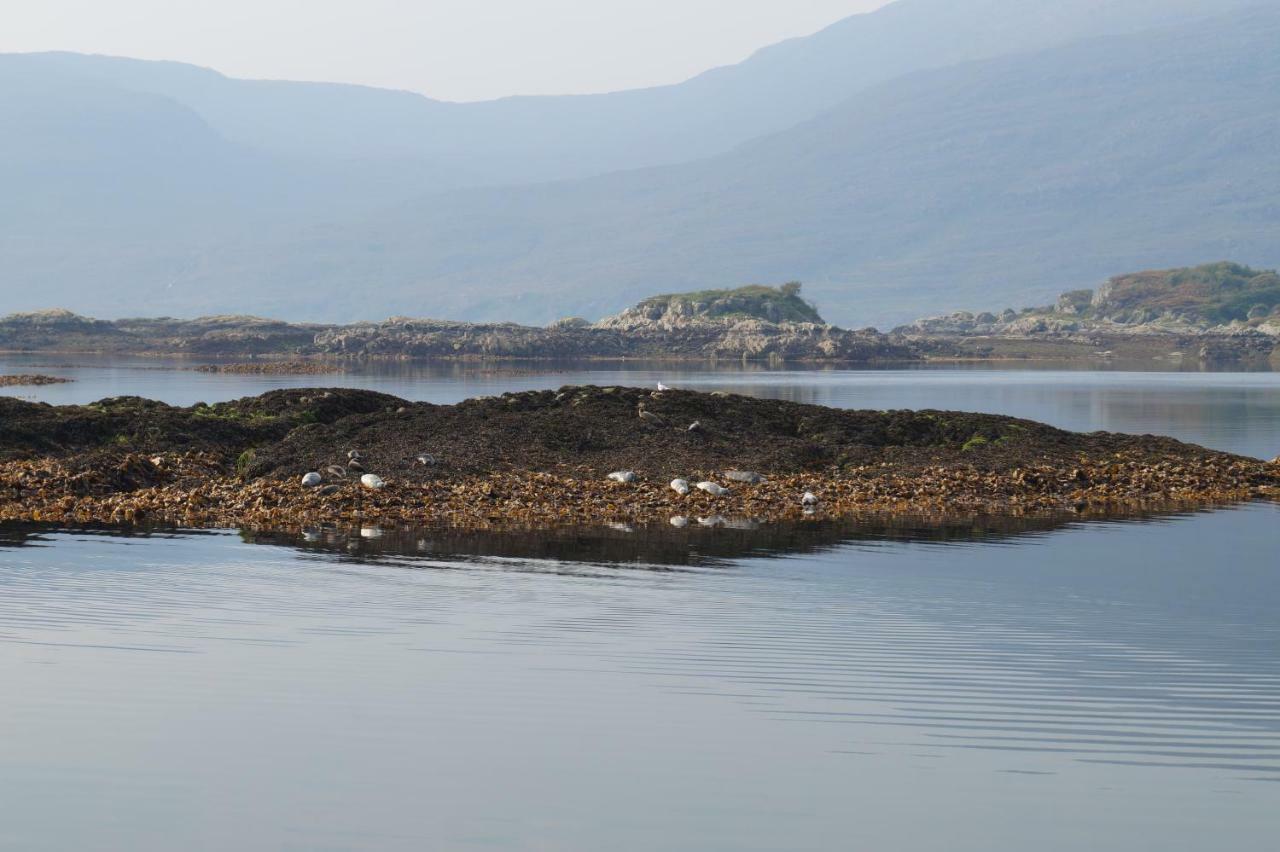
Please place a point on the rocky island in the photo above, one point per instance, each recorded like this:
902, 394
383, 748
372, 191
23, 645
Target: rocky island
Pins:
755, 322
1216, 313
578, 455
1221, 313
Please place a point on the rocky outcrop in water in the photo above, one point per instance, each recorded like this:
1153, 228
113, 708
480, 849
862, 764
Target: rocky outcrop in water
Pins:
1218, 313
542, 458
751, 322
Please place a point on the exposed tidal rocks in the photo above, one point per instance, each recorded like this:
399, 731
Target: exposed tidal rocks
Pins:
542, 458
273, 368
22, 380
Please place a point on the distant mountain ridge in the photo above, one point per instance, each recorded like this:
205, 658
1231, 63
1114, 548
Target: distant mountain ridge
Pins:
1012, 178
434, 143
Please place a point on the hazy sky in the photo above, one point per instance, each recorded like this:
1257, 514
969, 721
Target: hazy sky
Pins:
454, 49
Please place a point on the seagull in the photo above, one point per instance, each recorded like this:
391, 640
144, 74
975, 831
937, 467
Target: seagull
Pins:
336, 470
623, 476
426, 459
662, 387
355, 467
353, 455
680, 486
809, 499
312, 480
372, 481
648, 416
749, 476
695, 426
713, 488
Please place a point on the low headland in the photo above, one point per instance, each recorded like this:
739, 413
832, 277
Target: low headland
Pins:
545, 459
1217, 314
31, 380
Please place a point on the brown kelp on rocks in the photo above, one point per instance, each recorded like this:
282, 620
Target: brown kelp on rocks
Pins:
543, 458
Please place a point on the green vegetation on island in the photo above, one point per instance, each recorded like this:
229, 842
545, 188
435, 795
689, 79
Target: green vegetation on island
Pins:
1215, 293
755, 301
1212, 298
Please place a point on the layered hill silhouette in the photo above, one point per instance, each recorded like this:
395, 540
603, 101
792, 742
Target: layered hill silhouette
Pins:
145, 187
421, 141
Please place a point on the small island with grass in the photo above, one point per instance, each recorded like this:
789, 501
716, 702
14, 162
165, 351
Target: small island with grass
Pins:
1215, 313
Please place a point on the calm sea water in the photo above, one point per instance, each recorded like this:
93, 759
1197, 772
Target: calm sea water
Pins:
1004, 685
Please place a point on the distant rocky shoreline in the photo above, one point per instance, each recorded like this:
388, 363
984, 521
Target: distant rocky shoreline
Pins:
1214, 314
1220, 313
751, 323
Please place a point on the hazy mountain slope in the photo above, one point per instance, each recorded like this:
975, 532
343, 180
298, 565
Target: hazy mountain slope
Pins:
413, 141
1009, 180
1024, 175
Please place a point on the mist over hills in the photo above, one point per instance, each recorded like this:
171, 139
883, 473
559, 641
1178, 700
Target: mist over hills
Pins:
867, 162
526, 139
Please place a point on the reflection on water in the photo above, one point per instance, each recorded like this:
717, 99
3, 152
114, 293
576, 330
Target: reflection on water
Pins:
694, 545
699, 543
1006, 684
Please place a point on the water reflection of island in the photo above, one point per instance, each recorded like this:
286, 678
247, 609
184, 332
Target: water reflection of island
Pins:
714, 543
705, 542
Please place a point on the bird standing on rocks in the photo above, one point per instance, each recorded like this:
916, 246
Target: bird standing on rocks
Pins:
337, 471
662, 387
695, 426
312, 480
354, 466
680, 486
372, 481
623, 476
713, 488
353, 455
426, 459
809, 499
